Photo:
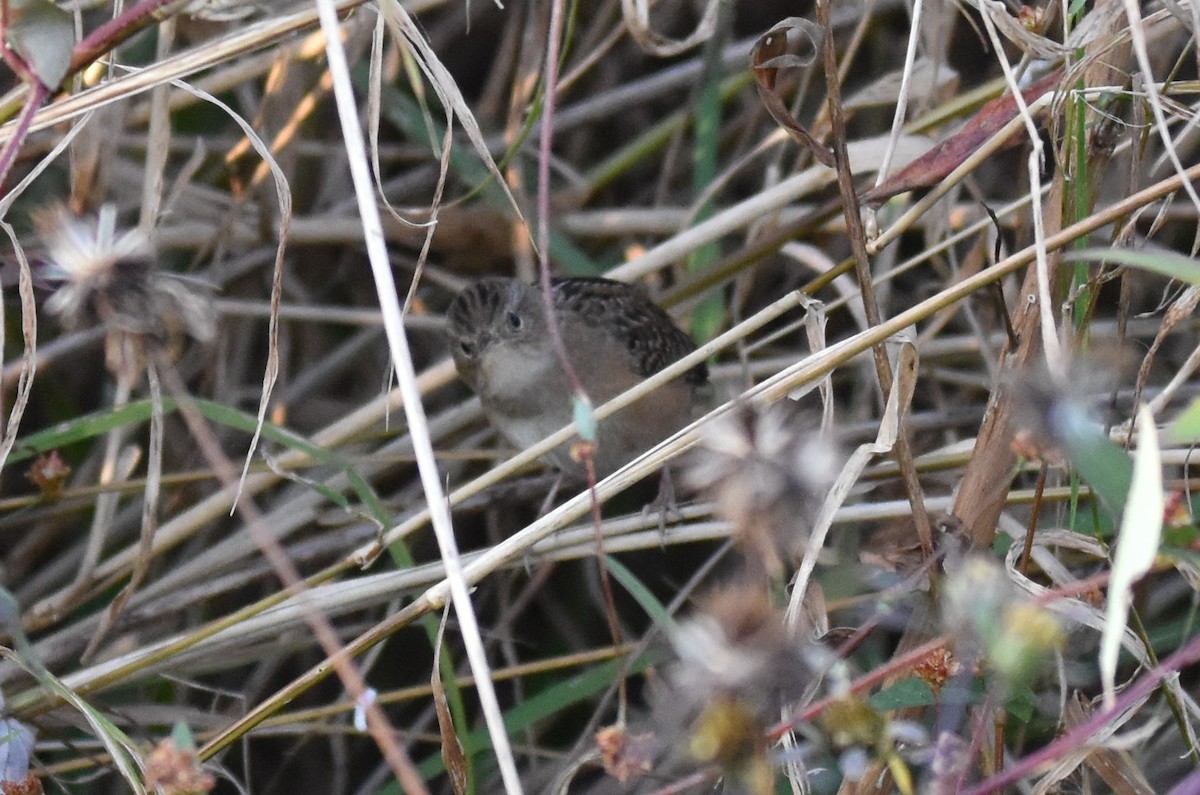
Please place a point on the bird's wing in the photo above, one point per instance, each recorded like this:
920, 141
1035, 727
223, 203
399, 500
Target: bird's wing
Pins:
651, 337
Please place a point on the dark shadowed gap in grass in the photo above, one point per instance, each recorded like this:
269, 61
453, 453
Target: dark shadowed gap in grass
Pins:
709, 314
403, 111
547, 703
89, 426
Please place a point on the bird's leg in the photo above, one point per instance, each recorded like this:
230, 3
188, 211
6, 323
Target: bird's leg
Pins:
548, 503
664, 503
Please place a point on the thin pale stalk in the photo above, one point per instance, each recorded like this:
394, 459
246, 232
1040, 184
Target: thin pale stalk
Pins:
393, 322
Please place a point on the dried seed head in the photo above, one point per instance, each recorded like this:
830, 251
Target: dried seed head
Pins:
990, 619
176, 771
109, 278
769, 470
852, 721
49, 473
94, 264
738, 667
863, 736
733, 736
937, 669
626, 756
739, 645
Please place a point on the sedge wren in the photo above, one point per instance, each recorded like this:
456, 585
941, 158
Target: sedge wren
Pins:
614, 337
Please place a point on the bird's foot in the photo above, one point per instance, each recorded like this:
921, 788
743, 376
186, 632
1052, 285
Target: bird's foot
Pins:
665, 504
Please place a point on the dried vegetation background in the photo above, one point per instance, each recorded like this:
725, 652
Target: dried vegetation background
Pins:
927, 598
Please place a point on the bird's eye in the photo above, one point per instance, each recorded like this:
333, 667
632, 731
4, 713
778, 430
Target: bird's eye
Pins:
468, 348
514, 321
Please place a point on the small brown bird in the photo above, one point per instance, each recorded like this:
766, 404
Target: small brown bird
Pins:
615, 337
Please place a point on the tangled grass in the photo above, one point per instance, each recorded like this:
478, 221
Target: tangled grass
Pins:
938, 533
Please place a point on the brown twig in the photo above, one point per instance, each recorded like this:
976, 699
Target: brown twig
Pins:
338, 657
1035, 511
862, 271
586, 450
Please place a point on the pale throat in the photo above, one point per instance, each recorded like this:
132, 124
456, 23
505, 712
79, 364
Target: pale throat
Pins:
524, 378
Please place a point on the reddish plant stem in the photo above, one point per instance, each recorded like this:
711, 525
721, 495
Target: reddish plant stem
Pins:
978, 735
893, 668
1034, 513
587, 449
338, 657
1081, 734
113, 32
610, 601
91, 47
38, 93
1001, 721
553, 45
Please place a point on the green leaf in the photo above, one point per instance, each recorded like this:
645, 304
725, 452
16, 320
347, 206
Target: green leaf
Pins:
910, 692
82, 428
97, 424
1164, 263
709, 314
1100, 462
1022, 703
637, 589
547, 703
44, 36
1186, 427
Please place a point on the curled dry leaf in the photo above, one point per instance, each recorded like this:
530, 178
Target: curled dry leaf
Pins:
770, 54
637, 19
453, 755
1021, 30
894, 547
934, 165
